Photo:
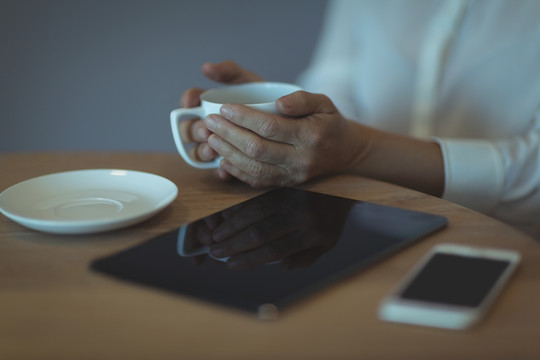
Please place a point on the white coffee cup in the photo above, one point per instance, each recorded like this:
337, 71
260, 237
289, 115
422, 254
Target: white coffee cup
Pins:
259, 95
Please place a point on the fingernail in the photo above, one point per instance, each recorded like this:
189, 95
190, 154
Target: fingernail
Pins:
207, 152
203, 135
213, 141
226, 111
283, 103
210, 122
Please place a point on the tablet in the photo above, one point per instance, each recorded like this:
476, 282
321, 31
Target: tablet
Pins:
269, 252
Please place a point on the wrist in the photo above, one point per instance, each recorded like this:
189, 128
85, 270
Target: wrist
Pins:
359, 144
402, 160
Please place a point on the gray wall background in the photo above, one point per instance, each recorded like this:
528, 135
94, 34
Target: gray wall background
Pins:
104, 74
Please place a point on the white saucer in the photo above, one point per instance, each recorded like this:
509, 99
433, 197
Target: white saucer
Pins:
87, 201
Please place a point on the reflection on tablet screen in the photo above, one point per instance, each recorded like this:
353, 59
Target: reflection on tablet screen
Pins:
267, 252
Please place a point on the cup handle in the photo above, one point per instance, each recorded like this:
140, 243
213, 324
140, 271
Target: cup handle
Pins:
181, 247
176, 118
203, 250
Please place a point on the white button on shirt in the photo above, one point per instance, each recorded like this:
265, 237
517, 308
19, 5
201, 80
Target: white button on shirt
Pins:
465, 73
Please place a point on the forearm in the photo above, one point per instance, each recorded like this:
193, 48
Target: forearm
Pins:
413, 163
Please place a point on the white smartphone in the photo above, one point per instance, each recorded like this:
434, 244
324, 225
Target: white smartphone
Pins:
451, 287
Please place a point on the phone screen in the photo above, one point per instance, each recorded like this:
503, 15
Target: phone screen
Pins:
455, 280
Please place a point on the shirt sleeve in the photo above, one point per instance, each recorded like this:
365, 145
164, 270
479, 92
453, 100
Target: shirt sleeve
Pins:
473, 173
330, 69
500, 178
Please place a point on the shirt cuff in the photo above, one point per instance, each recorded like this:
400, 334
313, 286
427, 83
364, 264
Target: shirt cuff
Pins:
474, 173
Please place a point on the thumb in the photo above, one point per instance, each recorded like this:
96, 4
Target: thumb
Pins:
302, 103
228, 72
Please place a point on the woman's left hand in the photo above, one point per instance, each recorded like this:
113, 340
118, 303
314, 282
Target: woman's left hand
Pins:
308, 138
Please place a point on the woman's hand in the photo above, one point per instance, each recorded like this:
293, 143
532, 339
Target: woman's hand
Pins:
308, 138
194, 130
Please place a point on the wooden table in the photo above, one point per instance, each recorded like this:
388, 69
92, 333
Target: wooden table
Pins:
53, 307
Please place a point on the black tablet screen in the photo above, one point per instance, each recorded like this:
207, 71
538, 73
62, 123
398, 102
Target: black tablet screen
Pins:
269, 251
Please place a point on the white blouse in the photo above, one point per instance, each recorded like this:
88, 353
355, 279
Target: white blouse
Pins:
465, 73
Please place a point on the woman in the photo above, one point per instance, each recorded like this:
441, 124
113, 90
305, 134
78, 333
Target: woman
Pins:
439, 96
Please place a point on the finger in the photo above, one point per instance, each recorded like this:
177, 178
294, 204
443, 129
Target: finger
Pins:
264, 124
251, 237
270, 252
213, 221
202, 152
228, 72
229, 213
195, 238
247, 216
191, 98
255, 173
193, 130
302, 103
224, 174
203, 233
250, 144
302, 259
